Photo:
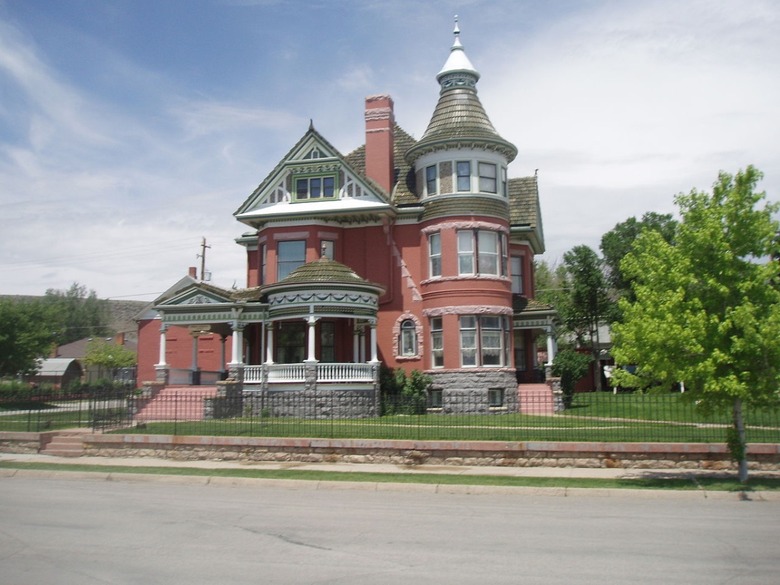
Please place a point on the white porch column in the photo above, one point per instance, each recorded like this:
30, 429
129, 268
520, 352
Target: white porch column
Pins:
222, 340
237, 343
374, 356
310, 357
552, 347
269, 344
355, 342
163, 330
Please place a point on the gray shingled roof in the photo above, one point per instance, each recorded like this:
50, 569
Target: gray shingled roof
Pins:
323, 270
524, 201
460, 117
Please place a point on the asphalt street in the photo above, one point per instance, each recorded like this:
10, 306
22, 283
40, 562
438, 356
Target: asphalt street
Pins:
71, 530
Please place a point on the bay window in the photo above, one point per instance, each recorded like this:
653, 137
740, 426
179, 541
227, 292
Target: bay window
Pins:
434, 254
481, 252
483, 340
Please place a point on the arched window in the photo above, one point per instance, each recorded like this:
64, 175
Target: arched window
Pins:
408, 341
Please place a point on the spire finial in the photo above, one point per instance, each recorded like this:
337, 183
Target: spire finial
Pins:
456, 32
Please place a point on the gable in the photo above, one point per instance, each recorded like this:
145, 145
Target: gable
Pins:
196, 294
313, 177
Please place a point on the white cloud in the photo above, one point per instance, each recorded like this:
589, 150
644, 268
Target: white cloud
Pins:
631, 103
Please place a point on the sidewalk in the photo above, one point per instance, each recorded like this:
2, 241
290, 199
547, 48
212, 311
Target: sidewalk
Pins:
461, 470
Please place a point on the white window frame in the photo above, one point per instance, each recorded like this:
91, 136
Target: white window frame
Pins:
434, 254
437, 342
431, 182
285, 267
462, 177
483, 341
407, 342
487, 183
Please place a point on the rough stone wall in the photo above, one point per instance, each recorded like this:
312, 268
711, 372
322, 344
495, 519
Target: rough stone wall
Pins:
467, 391
322, 403
644, 456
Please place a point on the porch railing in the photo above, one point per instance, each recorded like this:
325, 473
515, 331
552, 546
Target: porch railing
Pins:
346, 372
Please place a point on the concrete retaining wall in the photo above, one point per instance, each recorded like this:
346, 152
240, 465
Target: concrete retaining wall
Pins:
475, 453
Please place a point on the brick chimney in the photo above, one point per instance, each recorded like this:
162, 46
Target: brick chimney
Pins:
193, 272
380, 140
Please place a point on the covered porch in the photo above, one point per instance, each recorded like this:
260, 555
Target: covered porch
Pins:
314, 331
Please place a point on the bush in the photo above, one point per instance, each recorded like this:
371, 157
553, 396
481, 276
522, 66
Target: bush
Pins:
402, 394
570, 366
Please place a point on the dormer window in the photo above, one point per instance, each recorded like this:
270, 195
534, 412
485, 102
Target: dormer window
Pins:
487, 178
430, 179
463, 175
315, 188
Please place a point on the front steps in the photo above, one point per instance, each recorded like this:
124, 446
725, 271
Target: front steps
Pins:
65, 444
536, 399
176, 403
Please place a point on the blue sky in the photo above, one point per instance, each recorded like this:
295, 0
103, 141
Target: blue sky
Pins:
130, 129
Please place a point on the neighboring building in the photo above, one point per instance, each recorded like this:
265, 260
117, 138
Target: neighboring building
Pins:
57, 372
80, 348
417, 254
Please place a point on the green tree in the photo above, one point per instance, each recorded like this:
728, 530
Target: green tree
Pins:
570, 366
81, 313
109, 356
27, 331
617, 243
585, 304
706, 312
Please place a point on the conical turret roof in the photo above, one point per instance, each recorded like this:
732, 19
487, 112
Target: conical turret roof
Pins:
459, 117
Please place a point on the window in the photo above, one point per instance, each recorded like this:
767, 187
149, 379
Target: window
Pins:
504, 191
482, 340
487, 177
263, 261
465, 252
408, 341
434, 254
430, 180
437, 342
489, 252
313, 188
483, 249
517, 275
463, 168
435, 398
495, 397
327, 341
289, 256
326, 249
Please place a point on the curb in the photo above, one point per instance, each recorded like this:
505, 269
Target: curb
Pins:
431, 488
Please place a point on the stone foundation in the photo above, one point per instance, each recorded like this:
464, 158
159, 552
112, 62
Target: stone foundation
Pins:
322, 403
467, 392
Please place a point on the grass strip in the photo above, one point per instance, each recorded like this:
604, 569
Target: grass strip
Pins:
666, 483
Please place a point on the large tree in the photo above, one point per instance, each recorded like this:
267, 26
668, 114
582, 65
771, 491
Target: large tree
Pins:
706, 309
584, 304
27, 332
82, 314
617, 243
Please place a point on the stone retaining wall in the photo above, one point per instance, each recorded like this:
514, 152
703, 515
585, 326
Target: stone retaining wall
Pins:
475, 453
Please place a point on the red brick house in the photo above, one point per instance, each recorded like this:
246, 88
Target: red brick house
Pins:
416, 254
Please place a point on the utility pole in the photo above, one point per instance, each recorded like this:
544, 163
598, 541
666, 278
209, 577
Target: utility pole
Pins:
202, 257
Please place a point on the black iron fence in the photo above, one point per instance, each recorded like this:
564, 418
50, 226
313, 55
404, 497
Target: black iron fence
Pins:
99, 407
591, 417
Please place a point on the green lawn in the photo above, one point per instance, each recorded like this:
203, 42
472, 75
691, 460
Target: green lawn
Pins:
593, 417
